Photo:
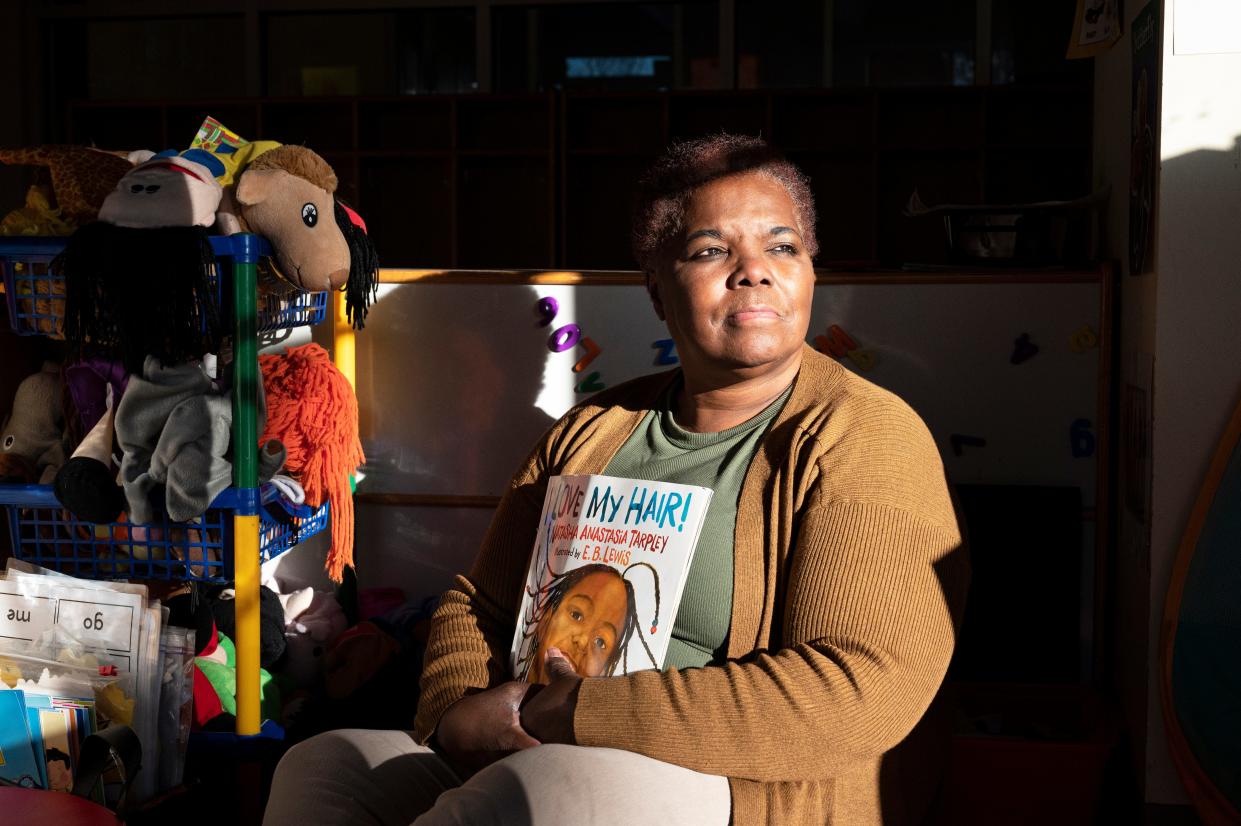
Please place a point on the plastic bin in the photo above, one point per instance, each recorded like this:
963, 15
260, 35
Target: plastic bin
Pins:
36, 298
44, 533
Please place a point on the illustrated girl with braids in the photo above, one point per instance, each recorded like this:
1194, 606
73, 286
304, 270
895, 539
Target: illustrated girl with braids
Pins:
590, 614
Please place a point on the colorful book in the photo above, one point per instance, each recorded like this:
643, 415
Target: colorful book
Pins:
609, 564
36, 744
59, 745
18, 762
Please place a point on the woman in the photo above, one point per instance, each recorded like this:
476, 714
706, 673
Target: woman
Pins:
820, 622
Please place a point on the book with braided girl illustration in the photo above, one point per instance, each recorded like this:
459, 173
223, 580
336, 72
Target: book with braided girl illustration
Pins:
606, 574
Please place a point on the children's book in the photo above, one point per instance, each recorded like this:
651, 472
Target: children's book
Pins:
36, 743
18, 762
605, 578
59, 751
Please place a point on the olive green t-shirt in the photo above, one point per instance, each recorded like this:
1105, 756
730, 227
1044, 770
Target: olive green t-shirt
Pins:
660, 450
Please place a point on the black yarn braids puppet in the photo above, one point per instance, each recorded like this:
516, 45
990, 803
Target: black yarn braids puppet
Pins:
138, 281
363, 280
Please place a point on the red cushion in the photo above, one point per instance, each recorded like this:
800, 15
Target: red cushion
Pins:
37, 806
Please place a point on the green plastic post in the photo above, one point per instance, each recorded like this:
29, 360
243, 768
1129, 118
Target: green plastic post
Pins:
246, 375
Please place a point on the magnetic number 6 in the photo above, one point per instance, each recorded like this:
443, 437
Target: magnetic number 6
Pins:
1081, 439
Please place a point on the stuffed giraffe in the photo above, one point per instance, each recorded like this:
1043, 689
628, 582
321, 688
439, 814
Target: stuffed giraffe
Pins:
81, 177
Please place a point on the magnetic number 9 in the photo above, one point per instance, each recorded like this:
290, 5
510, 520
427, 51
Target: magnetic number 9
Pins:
547, 307
564, 338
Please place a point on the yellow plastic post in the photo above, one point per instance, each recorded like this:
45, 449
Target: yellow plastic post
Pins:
344, 352
246, 572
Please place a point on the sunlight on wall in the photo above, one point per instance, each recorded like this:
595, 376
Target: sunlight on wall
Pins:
557, 395
1201, 109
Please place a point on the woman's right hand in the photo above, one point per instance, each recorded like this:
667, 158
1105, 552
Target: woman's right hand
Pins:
482, 728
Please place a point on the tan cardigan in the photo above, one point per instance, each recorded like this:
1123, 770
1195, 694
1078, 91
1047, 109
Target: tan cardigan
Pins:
849, 583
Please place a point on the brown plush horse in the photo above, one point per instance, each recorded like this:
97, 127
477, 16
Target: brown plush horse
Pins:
287, 195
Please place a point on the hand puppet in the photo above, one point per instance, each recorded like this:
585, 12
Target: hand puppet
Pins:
174, 426
138, 281
313, 412
288, 195
215, 687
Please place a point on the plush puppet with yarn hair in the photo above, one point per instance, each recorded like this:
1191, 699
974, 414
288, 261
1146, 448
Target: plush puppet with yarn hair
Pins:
313, 412
287, 195
137, 282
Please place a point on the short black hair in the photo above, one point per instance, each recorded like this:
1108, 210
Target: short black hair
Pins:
664, 191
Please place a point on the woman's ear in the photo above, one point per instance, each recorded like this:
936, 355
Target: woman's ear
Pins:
652, 289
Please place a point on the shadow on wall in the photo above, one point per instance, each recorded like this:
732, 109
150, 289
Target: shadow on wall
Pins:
448, 378
448, 381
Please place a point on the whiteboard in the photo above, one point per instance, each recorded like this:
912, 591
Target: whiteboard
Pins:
457, 380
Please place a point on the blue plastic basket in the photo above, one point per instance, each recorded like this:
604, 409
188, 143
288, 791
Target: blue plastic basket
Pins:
44, 533
36, 298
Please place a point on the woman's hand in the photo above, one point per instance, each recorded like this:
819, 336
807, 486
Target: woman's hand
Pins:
482, 728
547, 712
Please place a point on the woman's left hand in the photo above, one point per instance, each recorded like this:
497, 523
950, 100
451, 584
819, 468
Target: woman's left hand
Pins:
547, 711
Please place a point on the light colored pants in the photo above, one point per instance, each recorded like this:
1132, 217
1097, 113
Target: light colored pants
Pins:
361, 776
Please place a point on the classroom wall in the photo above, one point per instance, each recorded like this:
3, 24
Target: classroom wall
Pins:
1198, 295
1181, 318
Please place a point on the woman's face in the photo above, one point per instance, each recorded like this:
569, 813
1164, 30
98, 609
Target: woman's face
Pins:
586, 626
736, 296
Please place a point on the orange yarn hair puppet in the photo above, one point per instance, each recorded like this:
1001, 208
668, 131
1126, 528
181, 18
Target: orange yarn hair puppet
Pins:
312, 410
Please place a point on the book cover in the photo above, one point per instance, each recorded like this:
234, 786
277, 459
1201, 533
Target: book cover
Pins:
17, 757
36, 744
56, 725
606, 574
